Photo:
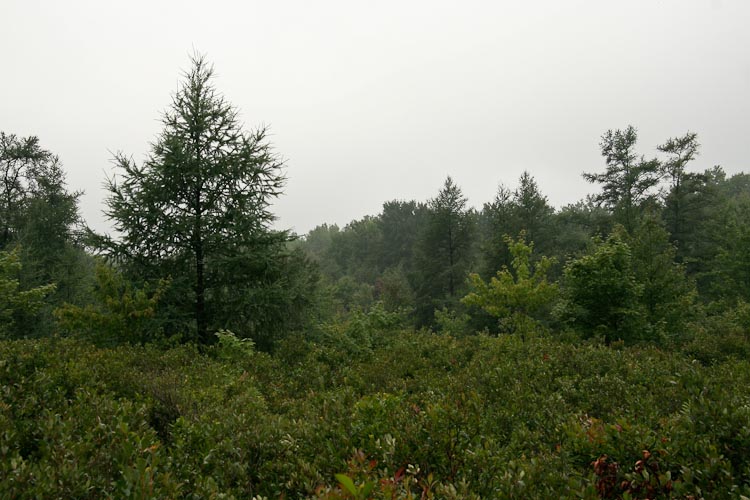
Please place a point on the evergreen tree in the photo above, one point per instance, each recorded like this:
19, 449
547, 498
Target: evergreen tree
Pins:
21, 159
444, 251
533, 212
524, 209
667, 295
197, 210
681, 151
17, 306
697, 226
575, 224
729, 268
39, 219
496, 221
399, 224
628, 180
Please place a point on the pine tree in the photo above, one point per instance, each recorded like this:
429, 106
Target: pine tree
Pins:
444, 251
628, 180
681, 151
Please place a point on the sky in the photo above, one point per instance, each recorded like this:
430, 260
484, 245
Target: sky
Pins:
375, 101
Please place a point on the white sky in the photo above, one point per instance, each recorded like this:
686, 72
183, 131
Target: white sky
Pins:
371, 101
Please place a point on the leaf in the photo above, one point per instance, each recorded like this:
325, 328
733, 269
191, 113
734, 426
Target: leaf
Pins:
367, 488
346, 483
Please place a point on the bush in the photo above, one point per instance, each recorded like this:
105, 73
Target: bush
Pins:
420, 416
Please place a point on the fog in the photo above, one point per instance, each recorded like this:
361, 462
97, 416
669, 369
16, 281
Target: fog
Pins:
375, 101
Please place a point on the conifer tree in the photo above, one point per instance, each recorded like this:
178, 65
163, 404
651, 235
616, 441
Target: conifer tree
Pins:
628, 179
198, 211
681, 151
444, 250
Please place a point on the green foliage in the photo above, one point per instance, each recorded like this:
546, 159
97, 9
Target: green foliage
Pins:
17, 306
198, 210
601, 295
22, 161
731, 263
668, 296
628, 180
400, 223
720, 333
394, 290
120, 311
444, 252
418, 416
518, 298
359, 332
312, 391
452, 322
39, 218
524, 209
681, 151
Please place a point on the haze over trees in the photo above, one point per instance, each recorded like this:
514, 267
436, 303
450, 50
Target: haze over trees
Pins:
433, 350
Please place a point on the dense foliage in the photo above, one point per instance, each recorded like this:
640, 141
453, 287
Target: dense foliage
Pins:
412, 415
434, 350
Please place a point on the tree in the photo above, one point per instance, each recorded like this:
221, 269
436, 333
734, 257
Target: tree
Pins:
576, 223
667, 296
517, 297
198, 210
444, 250
495, 222
357, 249
628, 179
49, 235
524, 209
681, 151
33, 195
39, 217
119, 312
601, 295
400, 222
20, 160
730, 266
16, 305
533, 211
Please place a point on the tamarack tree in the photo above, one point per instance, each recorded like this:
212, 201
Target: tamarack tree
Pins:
197, 211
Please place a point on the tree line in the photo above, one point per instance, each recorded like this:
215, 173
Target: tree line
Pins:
657, 246
193, 250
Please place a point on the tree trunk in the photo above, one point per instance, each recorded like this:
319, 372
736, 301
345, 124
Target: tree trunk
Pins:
200, 295
201, 322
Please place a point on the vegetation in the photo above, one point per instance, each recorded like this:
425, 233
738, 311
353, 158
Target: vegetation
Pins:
598, 350
197, 211
417, 415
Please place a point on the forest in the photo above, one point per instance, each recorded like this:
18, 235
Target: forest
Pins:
432, 350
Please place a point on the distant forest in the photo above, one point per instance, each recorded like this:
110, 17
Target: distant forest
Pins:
656, 247
434, 350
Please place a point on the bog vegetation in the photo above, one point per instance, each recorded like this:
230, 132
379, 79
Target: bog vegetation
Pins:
434, 350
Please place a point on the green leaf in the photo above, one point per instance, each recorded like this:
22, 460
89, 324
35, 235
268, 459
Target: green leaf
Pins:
346, 483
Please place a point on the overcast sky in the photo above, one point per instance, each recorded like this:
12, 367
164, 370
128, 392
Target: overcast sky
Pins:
373, 101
